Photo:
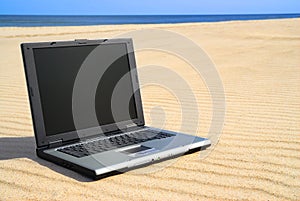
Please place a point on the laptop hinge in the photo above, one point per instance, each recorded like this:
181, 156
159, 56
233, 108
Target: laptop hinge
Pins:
55, 143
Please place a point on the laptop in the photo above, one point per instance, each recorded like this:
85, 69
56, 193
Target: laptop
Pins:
87, 111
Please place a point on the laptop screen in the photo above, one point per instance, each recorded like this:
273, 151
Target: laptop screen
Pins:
57, 69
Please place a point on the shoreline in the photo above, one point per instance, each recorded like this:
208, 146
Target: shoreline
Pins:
59, 31
153, 24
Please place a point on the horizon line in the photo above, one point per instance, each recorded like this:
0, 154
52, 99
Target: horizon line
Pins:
151, 14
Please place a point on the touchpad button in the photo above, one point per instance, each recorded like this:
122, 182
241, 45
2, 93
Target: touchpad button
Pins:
136, 149
139, 151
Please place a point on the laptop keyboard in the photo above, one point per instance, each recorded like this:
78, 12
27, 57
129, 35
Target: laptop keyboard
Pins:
114, 142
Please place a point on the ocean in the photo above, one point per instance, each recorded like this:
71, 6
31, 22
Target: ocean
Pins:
55, 20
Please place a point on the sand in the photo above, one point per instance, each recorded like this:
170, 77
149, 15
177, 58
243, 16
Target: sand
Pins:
256, 157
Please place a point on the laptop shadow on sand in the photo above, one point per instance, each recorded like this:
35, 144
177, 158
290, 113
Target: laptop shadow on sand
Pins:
24, 147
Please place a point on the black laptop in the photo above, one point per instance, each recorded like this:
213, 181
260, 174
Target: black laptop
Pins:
87, 110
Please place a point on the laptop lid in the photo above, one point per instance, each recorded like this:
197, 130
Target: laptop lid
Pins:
62, 75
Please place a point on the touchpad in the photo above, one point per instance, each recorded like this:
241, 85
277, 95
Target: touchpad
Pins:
136, 149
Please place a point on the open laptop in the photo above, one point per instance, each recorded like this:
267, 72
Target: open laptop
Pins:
84, 119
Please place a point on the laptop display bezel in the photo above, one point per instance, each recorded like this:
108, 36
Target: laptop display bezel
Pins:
42, 139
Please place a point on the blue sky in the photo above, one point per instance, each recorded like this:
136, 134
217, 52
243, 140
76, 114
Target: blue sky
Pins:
143, 7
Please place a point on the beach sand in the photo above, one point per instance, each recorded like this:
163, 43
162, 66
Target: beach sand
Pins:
257, 156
